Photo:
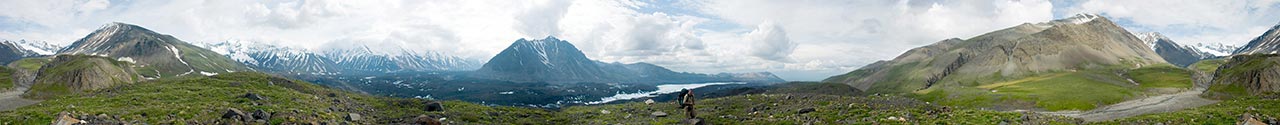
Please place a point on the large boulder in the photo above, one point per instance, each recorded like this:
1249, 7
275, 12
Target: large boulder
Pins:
434, 106
65, 118
236, 114
354, 117
261, 115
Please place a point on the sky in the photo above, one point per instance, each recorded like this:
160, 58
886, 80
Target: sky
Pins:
799, 40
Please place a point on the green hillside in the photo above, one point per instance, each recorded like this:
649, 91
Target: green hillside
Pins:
199, 99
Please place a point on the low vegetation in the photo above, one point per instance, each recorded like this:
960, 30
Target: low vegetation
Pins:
198, 99
1225, 112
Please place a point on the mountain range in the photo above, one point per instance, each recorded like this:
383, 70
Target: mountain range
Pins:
1077, 63
1176, 54
1079, 42
359, 59
558, 61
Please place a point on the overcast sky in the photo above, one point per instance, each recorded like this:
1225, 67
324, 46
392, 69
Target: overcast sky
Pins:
796, 39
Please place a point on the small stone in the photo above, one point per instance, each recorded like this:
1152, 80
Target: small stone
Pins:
604, 112
658, 114
649, 101
252, 96
807, 110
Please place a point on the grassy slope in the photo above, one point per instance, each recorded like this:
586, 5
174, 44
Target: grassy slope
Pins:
1209, 66
1161, 76
31, 64
202, 99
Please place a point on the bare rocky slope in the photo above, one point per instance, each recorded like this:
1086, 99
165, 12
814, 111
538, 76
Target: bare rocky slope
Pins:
76, 73
1080, 42
158, 55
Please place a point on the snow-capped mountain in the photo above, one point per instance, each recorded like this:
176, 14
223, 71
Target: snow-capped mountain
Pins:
366, 58
1172, 52
293, 60
35, 47
1217, 49
274, 58
158, 55
14, 50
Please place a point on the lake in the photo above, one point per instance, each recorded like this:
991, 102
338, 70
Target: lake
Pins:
662, 89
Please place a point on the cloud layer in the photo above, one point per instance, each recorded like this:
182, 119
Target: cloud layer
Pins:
799, 40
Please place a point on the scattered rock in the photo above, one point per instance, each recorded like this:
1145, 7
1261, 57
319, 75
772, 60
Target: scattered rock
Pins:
649, 101
604, 111
434, 106
353, 117
261, 115
1249, 119
807, 110
426, 120
65, 118
233, 113
693, 122
252, 96
658, 114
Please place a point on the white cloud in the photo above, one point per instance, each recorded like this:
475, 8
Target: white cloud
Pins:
93, 5
769, 41
542, 20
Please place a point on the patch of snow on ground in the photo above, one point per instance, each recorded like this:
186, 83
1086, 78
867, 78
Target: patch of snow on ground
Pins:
126, 59
207, 73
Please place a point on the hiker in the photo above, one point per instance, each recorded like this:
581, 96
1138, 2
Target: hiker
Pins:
686, 100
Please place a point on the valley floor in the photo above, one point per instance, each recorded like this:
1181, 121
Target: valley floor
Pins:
12, 99
1149, 105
